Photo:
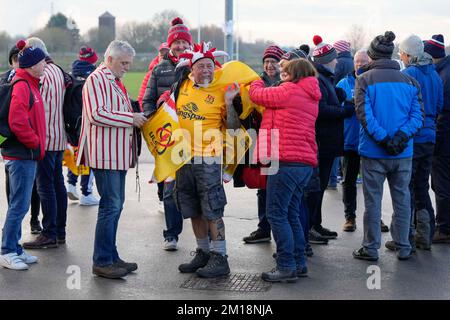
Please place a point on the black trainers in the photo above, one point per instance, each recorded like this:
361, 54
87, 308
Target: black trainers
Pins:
110, 272
41, 242
217, 266
129, 266
200, 260
384, 228
61, 240
302, 272
316, 238
35, 227
363, 255
276, 275
325, 233
257, 237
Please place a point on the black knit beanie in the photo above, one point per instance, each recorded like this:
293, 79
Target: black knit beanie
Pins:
382, 46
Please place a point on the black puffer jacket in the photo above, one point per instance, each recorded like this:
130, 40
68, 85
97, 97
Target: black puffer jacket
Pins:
330, 122
443, 122
161, 80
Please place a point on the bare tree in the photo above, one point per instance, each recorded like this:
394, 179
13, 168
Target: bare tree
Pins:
140, 36
162, 22
357, 36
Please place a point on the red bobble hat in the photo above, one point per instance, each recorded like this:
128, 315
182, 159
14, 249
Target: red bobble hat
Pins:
178, 31
323, 53
87, 54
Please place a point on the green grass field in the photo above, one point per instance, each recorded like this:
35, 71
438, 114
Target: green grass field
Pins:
132, 81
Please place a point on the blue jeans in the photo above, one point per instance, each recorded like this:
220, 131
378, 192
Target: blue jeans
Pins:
334, 172
86, 182
284, 196
111, 188
398, 174
21, 179
53, 194
174, 218
263, 224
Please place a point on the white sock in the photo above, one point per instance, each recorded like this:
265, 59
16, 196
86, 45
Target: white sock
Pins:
203, 244
219, 246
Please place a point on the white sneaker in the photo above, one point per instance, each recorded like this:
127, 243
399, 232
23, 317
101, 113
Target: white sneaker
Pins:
12, 261
72, 193
28, 258
170, 245
89, 200
161, 207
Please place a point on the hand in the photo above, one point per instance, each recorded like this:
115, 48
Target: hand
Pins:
349, 111
139, 119
397, 144
341, 95
231, 92
383, 143
163, 98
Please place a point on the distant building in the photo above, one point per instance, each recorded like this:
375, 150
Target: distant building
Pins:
107, 27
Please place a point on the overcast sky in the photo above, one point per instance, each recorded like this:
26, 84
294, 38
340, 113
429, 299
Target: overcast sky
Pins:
287, 22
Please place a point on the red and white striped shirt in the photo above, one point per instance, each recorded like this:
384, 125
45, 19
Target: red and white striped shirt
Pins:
107, 127
52, 92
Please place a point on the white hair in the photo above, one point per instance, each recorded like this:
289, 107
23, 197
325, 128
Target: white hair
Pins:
35, 42
119, 47
361, 51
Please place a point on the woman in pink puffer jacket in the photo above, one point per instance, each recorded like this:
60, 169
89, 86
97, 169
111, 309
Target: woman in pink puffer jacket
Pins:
287, 136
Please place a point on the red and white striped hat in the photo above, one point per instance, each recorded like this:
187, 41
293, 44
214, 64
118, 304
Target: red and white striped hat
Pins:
342, 46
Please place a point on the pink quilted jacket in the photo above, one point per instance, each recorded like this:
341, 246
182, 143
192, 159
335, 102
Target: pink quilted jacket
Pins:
291, 108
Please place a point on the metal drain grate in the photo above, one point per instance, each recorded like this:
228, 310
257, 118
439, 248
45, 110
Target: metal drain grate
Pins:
240, 282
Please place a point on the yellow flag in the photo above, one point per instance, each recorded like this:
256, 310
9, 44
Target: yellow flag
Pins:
235, 149
166, 141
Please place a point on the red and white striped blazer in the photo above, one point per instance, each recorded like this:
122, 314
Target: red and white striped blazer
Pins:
52, 92
106, 139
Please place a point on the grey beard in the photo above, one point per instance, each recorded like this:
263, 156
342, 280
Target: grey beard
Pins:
205, 84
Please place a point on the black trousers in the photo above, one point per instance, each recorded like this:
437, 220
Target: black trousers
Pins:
315, 198
350, 175
440, 183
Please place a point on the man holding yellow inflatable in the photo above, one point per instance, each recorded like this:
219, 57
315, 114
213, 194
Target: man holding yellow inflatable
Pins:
202, 101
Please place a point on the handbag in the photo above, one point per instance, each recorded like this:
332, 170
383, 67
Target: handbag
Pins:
253, 178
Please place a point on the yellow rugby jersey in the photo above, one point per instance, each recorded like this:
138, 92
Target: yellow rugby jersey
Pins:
202, 112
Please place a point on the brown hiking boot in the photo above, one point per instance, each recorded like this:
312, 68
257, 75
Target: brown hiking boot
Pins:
41, 242
440, 237
349, 225
110, 272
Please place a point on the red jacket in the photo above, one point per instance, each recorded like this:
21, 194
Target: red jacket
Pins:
146, 78
27, 124
292, 108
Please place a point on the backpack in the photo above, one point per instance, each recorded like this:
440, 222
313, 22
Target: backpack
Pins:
5, 102
72, 110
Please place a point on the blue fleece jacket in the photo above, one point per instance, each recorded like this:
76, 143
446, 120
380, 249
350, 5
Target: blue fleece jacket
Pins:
387, 101
432, 96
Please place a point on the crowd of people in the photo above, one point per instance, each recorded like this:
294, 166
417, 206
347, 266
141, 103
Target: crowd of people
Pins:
367, 113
